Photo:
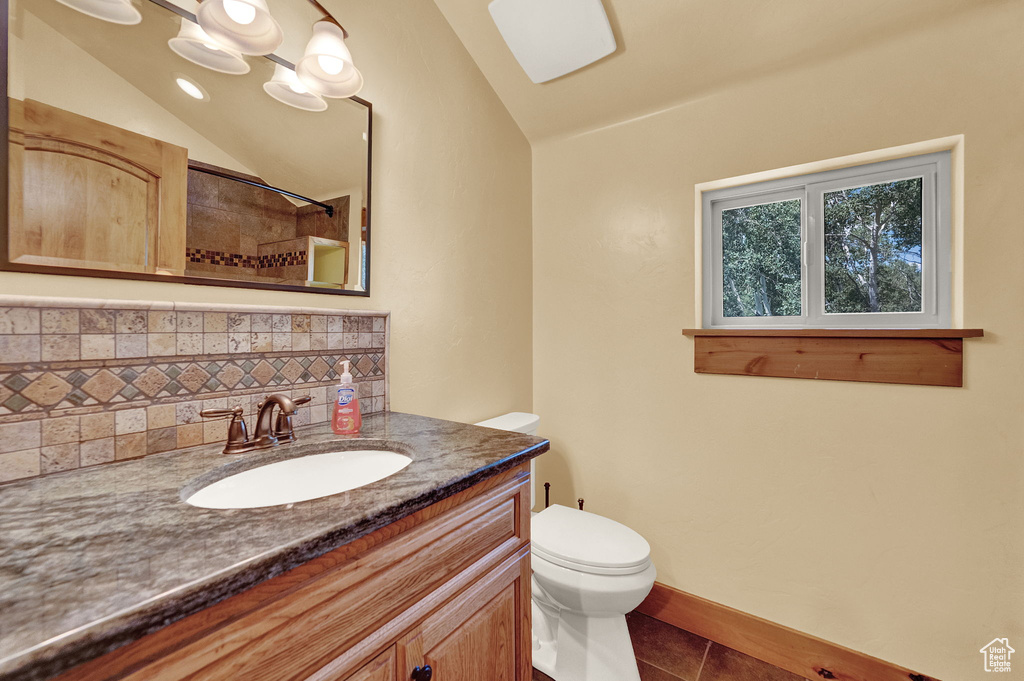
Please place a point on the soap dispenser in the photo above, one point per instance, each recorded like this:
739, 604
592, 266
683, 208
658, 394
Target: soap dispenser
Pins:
346, 420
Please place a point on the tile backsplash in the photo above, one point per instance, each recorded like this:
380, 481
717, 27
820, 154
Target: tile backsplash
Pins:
86, 382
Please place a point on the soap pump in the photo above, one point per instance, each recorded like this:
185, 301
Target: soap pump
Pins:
346, 420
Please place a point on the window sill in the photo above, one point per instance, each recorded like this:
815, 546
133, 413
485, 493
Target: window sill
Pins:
907, 356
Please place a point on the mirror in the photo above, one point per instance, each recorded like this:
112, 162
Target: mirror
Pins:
128, 160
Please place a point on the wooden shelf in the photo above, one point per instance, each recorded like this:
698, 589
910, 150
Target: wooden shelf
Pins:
908, 356
840, 333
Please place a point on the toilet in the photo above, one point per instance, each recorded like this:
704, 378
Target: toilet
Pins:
588, 572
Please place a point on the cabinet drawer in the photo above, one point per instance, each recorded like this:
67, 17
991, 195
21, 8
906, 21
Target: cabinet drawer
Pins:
333, 615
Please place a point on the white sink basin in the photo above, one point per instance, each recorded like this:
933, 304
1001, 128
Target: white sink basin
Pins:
300, 479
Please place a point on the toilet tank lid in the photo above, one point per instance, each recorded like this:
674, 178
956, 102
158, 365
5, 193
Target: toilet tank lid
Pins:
587, 539
517, 421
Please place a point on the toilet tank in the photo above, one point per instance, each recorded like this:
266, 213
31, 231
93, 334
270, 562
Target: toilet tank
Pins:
519, 422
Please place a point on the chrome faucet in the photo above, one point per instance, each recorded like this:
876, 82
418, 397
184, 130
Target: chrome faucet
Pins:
268, 434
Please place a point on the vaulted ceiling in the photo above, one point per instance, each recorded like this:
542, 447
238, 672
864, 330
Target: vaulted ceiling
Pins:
672, 51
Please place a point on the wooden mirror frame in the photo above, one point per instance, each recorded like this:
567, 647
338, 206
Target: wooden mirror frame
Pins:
8, 266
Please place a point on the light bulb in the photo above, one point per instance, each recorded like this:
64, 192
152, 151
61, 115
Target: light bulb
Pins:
240, 12
331, 65
190, 88
297, 88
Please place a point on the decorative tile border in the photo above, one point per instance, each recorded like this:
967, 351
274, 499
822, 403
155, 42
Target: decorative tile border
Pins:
87, 382
284, 259
29, 391
220, 258
287, 259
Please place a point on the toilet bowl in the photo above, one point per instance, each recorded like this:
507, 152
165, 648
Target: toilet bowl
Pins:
588, 572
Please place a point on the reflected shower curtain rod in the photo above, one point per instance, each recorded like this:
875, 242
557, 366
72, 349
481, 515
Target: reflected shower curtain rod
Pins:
329, 209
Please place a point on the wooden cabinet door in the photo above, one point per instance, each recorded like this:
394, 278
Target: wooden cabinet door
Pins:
381, 668
88, 194
483, 633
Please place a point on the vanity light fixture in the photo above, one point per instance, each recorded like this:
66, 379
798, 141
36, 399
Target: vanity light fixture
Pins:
286, 87
191, 88
194, 44
326, 67
224, 30
245, 26
114, 11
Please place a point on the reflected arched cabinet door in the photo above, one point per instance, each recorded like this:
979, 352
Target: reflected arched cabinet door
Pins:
93, 195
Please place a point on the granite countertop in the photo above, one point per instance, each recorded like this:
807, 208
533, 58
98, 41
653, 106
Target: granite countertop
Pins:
98, 557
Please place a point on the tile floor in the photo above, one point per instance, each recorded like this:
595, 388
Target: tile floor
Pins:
665, 653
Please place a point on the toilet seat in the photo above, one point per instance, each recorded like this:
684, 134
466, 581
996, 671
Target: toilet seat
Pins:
588, 543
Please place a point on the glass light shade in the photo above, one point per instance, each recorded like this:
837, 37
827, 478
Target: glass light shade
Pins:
326, 67
114, 11
194, 44
286, 88
241, 25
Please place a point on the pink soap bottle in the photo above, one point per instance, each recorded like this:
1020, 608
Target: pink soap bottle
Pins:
346, 420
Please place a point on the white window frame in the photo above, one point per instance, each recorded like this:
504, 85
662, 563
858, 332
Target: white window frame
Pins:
936, 251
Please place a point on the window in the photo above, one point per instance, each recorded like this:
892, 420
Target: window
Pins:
860, 247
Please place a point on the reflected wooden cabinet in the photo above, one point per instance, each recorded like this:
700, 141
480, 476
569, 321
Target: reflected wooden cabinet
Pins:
447, 587
92, 195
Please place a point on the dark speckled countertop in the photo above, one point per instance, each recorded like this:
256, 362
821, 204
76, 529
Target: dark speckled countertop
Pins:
95, 558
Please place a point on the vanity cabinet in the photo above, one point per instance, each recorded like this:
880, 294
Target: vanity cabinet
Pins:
447, 586
470, 639
381, 668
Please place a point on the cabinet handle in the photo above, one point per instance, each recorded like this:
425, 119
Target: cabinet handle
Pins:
424, 674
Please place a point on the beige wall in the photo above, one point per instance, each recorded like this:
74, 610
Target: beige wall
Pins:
450, 223
885, 518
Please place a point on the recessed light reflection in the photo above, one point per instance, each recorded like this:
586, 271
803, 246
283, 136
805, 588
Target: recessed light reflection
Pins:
191, 88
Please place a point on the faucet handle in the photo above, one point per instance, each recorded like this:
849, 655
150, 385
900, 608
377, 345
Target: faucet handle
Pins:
238, 434
221, 413
285, 430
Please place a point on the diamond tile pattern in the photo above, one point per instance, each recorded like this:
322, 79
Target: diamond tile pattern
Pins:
319, 368
152, 381
65, 388
16, 382
292, 370
193, 377
103, 386
94, 385
264, 372
47, 390
77, 378
16, 403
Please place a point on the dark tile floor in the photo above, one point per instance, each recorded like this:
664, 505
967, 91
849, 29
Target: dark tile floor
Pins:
665, 653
